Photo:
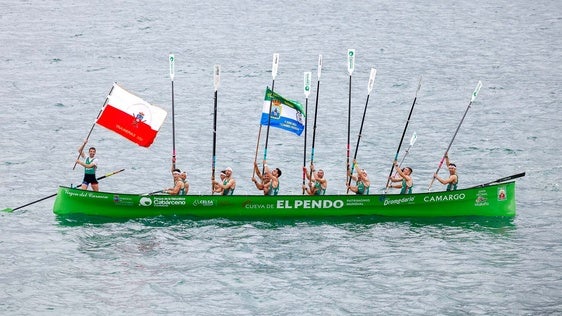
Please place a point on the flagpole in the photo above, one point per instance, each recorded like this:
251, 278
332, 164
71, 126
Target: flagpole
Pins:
92, 128
315, 113
369, 89
307, 77
216, 72
350, 68
274, 67
172, 60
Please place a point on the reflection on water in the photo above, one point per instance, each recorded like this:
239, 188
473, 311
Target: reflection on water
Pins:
491, 224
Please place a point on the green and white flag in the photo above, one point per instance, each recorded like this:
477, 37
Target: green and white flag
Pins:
285, 114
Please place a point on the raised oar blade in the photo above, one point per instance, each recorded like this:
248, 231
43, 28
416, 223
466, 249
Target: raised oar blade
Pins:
275, 66
412, 142
307, 81
371, 80
413, 139
475, 93
319, 66
350, 61
217, 76
171, 58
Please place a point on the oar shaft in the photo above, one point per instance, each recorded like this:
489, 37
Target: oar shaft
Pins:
515, 176
257, 148
173, 130
214, 161
403, 133
315, 116
28, 204
172, 60
50, 196
304, 150
473, 96
268, 122
109, 174
359, 137
348, 148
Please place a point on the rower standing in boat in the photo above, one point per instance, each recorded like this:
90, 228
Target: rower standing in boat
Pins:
269, 180
362, 183
405, 178
90, 165
228, 184
453, 179
179, 185
317, 184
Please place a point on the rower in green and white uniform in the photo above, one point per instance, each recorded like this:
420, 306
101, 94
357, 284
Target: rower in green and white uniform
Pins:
317, 183
362, 183
405, 179
453, 179
90, 165
228, 184
179, 185
269, 183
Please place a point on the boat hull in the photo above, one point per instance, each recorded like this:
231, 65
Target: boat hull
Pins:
493, 200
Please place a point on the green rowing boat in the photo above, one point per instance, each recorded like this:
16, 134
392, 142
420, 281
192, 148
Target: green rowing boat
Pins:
486, 200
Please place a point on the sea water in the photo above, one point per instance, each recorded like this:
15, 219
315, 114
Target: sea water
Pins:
59, 60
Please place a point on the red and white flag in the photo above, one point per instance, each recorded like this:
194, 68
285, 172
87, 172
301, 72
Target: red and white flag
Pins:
131, 117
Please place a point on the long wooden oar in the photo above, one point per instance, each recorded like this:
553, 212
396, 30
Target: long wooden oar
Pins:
474, 94
515, 176
315, 113
369, 89
92, 128
217, 78
172, 73
350, 68
307, 77
274, 67
50, 196
404, 133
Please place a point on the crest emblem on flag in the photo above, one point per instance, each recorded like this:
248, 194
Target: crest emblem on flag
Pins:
131, 117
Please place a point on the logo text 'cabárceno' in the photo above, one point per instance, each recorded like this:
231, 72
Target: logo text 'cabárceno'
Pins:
168, 201
310, 204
